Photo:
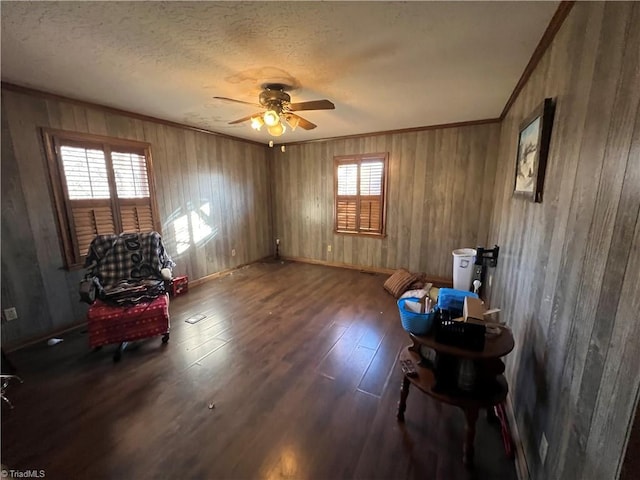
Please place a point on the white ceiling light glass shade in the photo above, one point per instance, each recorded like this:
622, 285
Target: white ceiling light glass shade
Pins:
277, 129
292, 121
256, 123
271, 118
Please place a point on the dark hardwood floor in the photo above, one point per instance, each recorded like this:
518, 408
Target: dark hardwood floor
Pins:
299, 361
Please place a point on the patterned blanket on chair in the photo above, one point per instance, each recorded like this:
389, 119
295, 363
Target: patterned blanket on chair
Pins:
130, 257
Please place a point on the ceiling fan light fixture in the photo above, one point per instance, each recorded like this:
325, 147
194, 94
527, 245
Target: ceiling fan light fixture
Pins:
271, 118
257, 122
277, 129
277, 110
293, 121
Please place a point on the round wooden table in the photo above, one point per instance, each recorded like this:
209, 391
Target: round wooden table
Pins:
490, 390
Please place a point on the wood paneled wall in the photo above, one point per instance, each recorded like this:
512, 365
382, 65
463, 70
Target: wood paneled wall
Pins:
223, 182
568, 278
439, 198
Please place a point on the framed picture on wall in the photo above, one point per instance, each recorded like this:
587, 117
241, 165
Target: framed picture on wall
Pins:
534, 137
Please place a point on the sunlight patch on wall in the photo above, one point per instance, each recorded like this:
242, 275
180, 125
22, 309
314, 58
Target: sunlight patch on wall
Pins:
189, 227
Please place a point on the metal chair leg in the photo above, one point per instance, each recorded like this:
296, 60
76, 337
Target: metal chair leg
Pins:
5, 383
8, 402
120, 349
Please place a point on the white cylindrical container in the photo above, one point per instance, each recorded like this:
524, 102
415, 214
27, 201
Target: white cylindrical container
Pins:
463, 260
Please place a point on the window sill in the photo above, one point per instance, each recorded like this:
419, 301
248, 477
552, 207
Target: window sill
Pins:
360, 234
74, 267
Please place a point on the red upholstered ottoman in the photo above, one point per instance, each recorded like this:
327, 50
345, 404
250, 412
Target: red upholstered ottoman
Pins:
111, 324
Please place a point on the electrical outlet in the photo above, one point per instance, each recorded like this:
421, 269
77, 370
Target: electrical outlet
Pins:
329, 248
233, 252
10, 314
544, 445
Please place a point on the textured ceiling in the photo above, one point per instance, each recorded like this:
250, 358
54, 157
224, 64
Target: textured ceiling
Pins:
385, 65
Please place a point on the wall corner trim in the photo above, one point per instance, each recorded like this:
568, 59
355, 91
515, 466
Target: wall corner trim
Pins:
522, 467
547, 37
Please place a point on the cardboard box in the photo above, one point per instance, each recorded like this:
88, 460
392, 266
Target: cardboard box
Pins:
474, 308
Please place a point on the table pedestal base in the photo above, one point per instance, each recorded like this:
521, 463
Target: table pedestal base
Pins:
470, 414
468, 451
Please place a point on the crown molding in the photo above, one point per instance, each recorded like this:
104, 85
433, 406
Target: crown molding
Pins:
547, 37
97, 106
441, 126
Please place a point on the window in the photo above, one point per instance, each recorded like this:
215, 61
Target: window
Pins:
360, 193
100, 185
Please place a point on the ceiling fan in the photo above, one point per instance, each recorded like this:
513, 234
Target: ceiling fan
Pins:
279, 109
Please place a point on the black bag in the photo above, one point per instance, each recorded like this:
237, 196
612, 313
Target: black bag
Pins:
87, 290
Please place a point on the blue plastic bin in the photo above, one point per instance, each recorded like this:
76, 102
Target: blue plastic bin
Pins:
417, 323
453, 300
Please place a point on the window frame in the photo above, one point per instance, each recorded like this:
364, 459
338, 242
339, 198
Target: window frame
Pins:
358, 159
53, 139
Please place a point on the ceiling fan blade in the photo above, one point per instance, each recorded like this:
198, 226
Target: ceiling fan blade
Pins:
244, 119
302, 122
312, 105
236, 101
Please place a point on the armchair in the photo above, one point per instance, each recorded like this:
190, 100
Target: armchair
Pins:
129, 272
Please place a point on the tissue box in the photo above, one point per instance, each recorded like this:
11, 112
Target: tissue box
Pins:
179, 285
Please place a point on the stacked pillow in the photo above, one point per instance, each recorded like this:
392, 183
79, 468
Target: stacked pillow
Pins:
399, 282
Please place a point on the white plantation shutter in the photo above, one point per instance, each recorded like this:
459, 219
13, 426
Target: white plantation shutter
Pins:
347, 179
131, 175
85, 172
360, 194
101, 186
371, 176
89, 196
132, 182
